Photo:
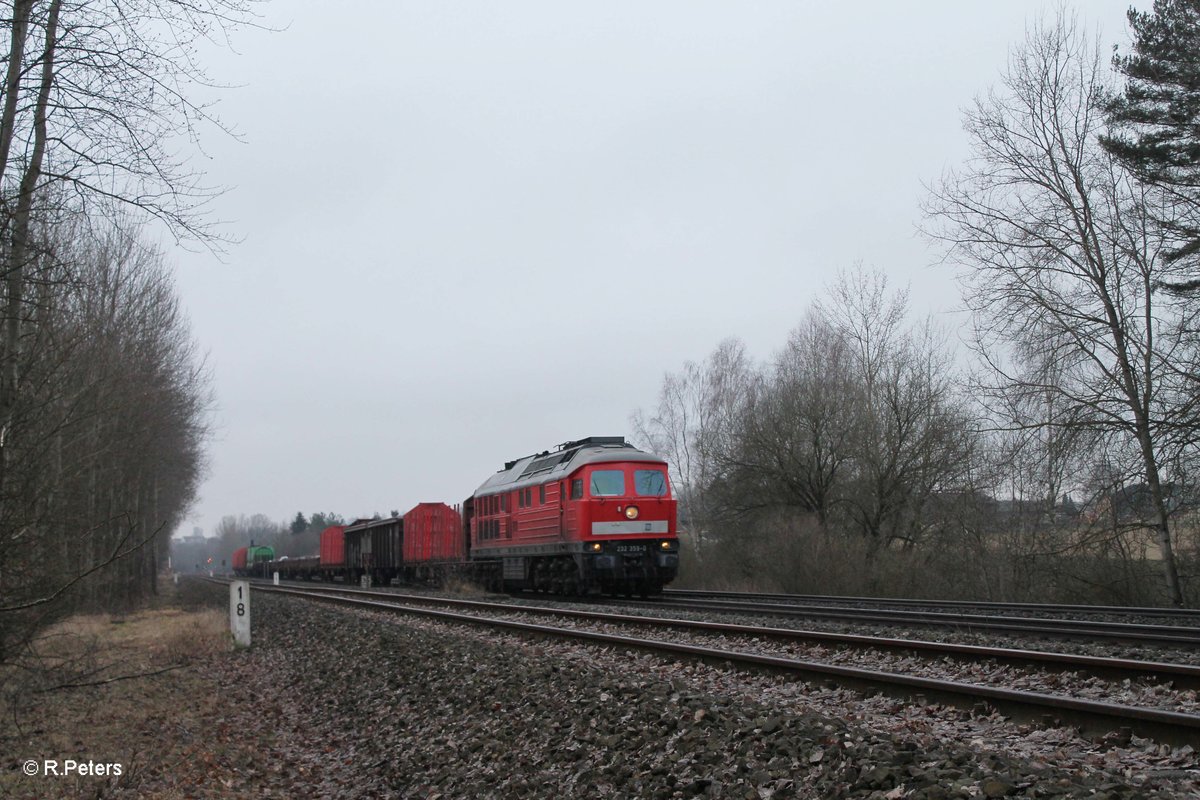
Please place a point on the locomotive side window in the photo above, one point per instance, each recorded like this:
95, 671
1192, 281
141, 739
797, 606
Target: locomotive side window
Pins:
608, 483
542, 494
649, 483
577, 488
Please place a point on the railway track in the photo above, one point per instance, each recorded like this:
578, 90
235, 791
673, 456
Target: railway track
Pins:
1132, 633
1091, 716
1181, 675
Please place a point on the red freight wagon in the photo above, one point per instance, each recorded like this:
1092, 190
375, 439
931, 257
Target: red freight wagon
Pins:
333, 543
239, 558
433, 532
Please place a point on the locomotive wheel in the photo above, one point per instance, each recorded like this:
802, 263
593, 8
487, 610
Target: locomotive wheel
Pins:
570, 587
570, 584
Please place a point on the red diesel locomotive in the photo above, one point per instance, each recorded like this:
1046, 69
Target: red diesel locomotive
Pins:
594, 515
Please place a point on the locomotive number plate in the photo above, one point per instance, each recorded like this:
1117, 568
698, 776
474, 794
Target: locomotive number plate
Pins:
630, 548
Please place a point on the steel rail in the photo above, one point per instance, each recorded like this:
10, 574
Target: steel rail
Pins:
1169, 635
1090, 715
1192, 614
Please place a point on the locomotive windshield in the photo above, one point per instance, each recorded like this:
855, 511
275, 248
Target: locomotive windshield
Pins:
649, 483
608, 483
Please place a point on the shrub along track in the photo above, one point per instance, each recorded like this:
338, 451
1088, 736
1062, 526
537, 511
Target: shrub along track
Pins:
1090, 715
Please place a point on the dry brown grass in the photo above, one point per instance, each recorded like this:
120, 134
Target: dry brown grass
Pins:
464, 587
158, 636
106, 689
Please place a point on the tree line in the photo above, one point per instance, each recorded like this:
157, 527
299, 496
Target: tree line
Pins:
869, 455
104, 396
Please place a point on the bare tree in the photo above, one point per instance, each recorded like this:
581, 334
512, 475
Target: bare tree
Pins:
798, 427
695, 425
1060, 261
100, 390
95, 92
848, 437
912, 436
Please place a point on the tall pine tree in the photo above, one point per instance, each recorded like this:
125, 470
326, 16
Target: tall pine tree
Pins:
1155, 122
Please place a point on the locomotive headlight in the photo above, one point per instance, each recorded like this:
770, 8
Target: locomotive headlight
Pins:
631, 512
665, 545
597, 547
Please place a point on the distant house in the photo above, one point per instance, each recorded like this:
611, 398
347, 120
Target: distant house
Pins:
1134, 503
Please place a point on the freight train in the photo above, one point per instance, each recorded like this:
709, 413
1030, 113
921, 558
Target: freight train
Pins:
247, 559
594, 515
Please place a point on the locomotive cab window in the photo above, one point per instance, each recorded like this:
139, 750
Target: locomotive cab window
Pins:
577, 488
649, 483
608, 483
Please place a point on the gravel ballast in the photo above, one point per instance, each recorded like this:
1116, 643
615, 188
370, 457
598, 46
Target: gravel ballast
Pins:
347, 704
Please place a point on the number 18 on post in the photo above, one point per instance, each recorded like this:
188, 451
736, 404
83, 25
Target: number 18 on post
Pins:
239, 612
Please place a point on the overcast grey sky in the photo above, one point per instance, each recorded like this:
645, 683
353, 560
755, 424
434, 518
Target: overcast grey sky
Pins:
473, 230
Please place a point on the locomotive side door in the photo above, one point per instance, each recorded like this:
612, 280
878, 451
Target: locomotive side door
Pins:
555, 495
564, 521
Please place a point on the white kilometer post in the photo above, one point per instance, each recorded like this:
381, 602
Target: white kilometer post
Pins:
276, 578
239, 612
